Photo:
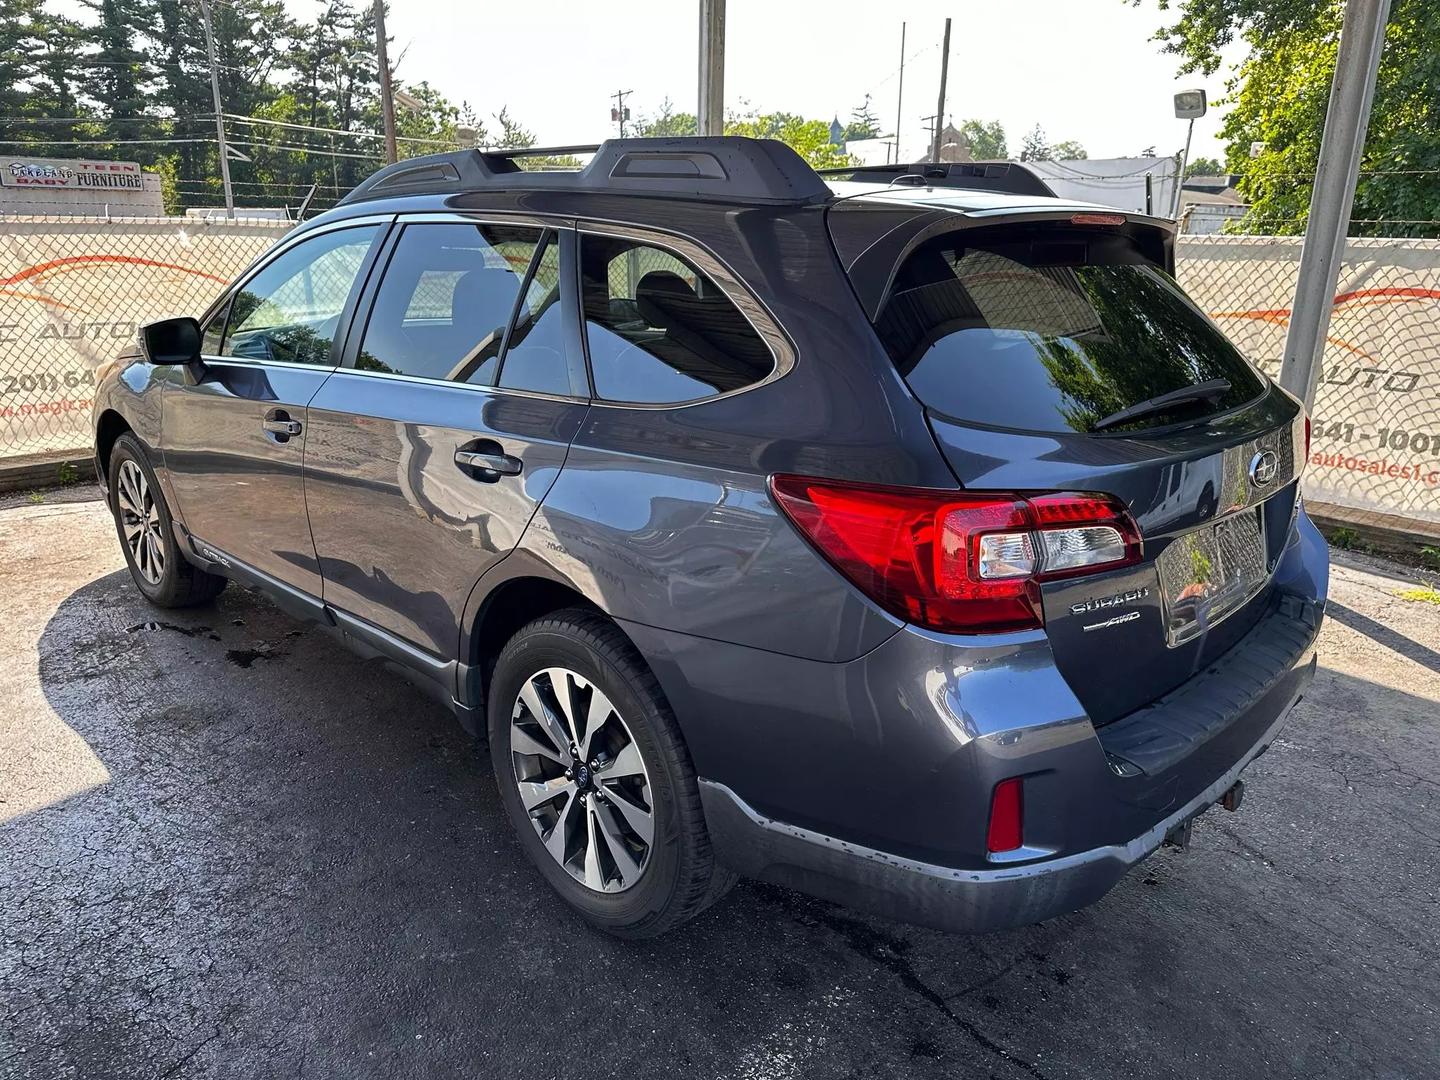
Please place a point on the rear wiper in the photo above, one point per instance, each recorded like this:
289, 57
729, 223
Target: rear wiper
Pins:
1209, 390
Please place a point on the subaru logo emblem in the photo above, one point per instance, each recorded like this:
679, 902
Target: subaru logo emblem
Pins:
1263, 467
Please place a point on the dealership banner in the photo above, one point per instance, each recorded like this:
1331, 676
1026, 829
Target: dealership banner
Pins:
1376, 422
73, 292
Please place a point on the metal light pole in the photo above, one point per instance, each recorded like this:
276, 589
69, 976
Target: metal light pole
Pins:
1189, 105
711, 111
387, 97
219, 115
1362, 36
940, 118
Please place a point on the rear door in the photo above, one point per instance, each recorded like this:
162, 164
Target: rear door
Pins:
430, 448
1040, 352
234, 439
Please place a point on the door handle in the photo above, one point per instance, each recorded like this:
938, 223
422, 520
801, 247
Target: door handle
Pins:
278, 423
500, 464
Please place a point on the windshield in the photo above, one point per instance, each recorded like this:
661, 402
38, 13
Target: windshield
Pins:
1052, 331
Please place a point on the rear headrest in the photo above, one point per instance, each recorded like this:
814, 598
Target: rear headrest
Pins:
484, 297
657, 294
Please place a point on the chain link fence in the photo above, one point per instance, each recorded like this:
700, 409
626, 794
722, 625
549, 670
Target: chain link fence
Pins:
73, 292
1376, 419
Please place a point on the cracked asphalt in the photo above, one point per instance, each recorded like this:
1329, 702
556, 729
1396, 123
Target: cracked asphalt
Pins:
230, 849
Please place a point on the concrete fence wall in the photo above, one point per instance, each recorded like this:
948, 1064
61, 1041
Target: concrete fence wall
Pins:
1376, 421
74, 290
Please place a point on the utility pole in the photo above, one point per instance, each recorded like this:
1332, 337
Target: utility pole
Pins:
219, 115
932, 125
900, 94
619, 114
711, 112
1362, 36
387, 97
940, 119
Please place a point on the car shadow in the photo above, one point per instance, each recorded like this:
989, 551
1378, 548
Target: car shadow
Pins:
299, 857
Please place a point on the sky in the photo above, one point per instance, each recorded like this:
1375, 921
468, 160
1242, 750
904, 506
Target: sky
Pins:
1082, 69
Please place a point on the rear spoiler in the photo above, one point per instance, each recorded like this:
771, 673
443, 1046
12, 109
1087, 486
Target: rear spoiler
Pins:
873, 239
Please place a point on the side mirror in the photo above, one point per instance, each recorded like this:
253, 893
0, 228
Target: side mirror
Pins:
171, 341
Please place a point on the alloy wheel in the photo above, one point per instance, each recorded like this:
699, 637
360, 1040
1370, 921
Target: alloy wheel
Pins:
140, 522
582, 780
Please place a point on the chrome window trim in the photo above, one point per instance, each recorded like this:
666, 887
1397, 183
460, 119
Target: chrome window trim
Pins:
760, 318
449, 385
245, 361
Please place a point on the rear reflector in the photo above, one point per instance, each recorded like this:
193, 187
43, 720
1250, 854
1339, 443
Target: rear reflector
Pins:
958, 561
1007, 817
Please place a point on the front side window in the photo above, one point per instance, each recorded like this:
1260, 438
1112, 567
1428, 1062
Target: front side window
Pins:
447, 296
659, 330
290, 310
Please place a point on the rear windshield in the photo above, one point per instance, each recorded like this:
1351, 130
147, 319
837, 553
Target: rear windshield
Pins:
1054, 331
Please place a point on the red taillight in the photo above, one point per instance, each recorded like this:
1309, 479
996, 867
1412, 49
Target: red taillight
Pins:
1007, 817
1097, 219
958, 561
1307, 438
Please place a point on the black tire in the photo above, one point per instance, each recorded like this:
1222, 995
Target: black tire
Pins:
681, 878
179, 583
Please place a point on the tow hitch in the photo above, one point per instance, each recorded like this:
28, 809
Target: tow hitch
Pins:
1232, 799
1179, 835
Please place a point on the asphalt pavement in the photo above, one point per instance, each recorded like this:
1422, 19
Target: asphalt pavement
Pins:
228, 848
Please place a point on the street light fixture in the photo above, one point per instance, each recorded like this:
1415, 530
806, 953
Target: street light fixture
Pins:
1189, 105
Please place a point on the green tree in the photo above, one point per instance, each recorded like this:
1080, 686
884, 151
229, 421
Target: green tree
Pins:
864, 124
808, 138
1203, 166
986, 138
123, 73
1068, 150
666, 123
1280, 94
1034, 147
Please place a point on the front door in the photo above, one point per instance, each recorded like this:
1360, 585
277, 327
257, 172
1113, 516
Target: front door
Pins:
234, 439
429, 451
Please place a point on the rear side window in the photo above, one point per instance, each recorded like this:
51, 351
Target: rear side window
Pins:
445, 300
659, 330
535, 356
1052, 331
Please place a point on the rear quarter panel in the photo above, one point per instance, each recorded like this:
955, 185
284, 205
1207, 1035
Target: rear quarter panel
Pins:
663, 515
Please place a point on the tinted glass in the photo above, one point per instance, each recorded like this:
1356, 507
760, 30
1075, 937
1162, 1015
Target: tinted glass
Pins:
1052, 331
289, 311
445, 300
661, 331
535, 353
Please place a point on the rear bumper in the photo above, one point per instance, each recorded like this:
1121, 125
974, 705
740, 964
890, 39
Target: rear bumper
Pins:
869, 782
970, 901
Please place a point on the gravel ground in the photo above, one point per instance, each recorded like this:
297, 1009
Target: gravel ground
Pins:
230, 849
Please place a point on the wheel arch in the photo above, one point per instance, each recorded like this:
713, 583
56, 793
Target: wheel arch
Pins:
520, 589
109, 426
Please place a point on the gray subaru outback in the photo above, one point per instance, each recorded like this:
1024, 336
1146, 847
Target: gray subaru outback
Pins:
905, 537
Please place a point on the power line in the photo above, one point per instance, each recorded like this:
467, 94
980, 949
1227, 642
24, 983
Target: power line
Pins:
260, 120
